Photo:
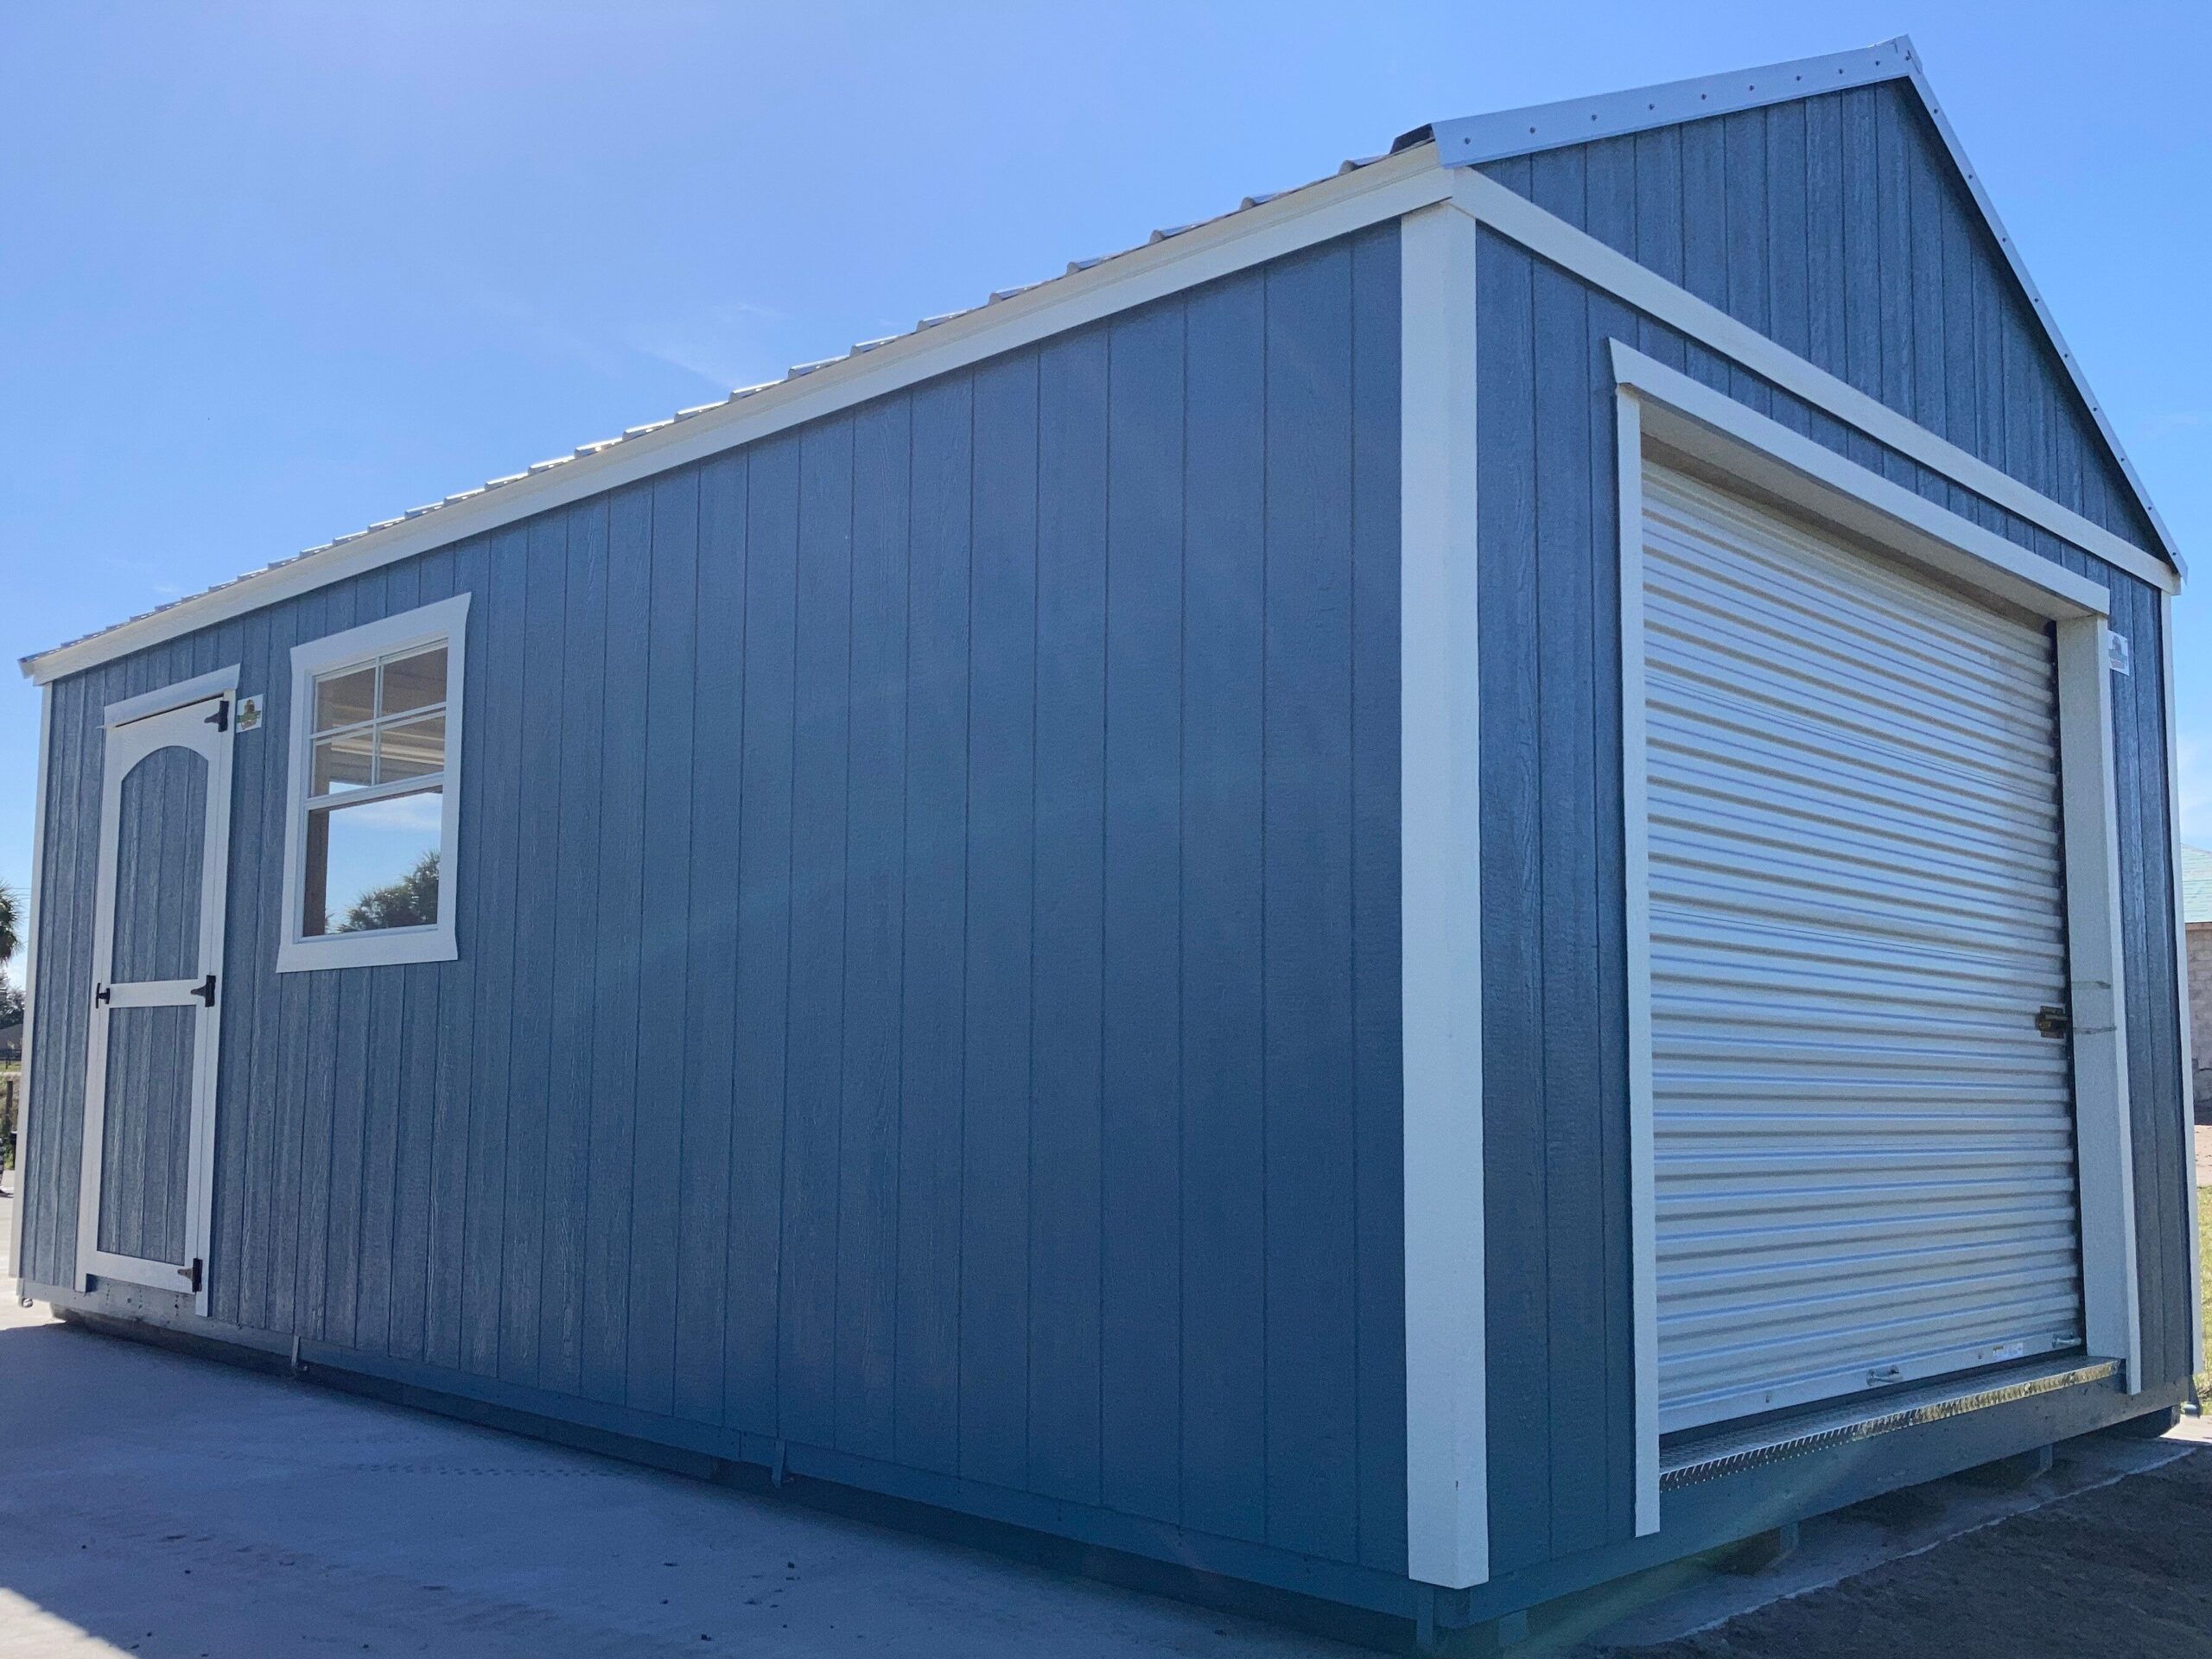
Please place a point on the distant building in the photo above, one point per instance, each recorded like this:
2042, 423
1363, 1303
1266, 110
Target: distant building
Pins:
2196, 915
11, 1042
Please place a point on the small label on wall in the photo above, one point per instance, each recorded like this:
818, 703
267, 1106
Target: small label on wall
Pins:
249, 713
2123, 655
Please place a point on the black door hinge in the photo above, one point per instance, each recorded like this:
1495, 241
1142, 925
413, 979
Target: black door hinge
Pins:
2053, 1021
192, 1273
99, 994
220, 720
206, 991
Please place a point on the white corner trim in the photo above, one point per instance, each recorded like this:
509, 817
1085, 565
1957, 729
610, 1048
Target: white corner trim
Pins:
1298, 218
1636, 825
1689, 416
34, 904
172, 697
1448, 1483
2103, 1113
1552, 238
2181, 987
445, 621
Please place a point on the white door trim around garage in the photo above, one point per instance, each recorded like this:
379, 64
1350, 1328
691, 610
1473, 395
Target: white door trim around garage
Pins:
1659, 406
133, 733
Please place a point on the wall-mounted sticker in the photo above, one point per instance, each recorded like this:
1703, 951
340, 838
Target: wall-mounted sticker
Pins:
249, 713
2122, 654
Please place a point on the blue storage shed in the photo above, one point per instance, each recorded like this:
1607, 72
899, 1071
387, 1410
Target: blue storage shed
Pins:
1454, 885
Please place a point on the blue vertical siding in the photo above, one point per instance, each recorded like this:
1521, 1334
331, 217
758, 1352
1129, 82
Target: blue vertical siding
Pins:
1838, 225
1833, 227
928, 977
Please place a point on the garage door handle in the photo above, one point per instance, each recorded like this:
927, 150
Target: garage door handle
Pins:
1881, 1374
2053, 1022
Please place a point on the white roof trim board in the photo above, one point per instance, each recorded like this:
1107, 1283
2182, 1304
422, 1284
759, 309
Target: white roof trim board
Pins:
1361, 192
1477, 138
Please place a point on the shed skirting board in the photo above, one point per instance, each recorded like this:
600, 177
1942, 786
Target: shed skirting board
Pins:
1447, 1487
1656, 402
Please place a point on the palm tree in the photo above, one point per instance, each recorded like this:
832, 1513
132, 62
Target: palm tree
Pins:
10, 913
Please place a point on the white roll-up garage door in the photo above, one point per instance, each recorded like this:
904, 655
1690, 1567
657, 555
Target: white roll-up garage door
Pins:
1864, 1146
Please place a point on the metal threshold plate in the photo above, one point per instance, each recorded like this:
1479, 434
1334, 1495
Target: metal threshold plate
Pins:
1715, 1456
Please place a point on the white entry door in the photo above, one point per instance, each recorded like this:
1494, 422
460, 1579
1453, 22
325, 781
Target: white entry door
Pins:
1862, 1084
157, 957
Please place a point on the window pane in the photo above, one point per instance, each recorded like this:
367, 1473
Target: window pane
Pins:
372, 865
415, 682
342, 762
413, 748
341, 699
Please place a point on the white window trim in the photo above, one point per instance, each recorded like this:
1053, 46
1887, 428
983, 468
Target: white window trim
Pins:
446, 623
1656, 401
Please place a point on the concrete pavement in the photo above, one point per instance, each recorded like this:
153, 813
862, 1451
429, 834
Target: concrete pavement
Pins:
156, 1504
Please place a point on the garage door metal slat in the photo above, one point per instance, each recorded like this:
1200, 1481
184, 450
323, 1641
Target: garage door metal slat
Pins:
1712, 741
1698, 832
1692, 621
1704, 579
1823, 905
1865, 1159
1697, 1022
1717, 531
1698, 949
1697, 942
1837, 636
1765, 694
1827, 918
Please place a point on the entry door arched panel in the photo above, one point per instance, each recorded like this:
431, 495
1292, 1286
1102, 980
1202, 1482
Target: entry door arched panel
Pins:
157, 949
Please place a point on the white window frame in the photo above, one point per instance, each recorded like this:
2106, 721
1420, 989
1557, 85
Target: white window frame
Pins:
1656, 403
443, 623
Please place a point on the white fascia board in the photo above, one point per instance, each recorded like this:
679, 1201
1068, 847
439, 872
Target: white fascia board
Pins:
1552, 238
1476, 139
1318, 212
1448, 1481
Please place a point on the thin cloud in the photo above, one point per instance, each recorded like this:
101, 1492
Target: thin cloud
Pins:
2164, 426
725, 345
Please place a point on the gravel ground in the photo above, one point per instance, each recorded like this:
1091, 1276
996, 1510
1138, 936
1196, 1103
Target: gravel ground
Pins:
2122, 1570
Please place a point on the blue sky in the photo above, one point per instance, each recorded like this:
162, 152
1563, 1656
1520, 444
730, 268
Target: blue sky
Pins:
271, 272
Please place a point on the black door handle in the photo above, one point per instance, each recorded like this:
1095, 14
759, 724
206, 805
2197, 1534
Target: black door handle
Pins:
99, 994
206, 992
